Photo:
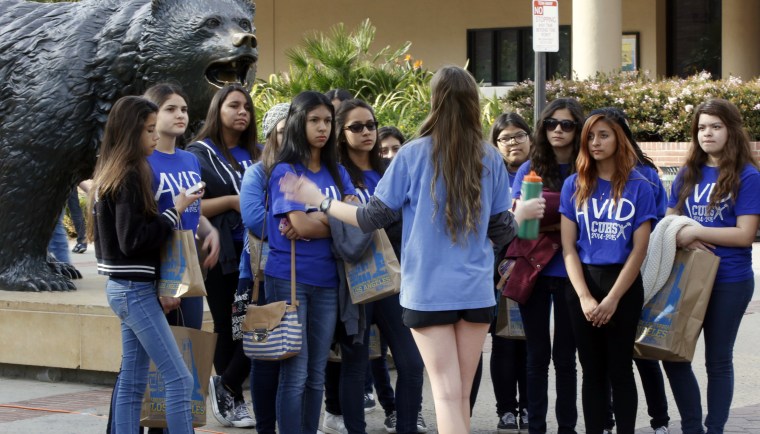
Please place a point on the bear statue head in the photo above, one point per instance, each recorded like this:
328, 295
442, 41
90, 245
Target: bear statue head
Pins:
200, 44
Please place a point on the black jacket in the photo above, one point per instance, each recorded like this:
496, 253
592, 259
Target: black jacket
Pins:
127, 241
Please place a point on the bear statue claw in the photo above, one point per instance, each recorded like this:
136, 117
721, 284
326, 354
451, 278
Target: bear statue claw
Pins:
33, 276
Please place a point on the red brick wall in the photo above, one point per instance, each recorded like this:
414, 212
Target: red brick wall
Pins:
673, 153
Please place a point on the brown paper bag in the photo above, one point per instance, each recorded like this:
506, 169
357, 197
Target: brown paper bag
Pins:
509, 323
181, 274
671, 321
375, 350
197, 349
259, 253
377, 275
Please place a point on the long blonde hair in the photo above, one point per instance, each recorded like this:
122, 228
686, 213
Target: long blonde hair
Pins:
458, 149
121, 153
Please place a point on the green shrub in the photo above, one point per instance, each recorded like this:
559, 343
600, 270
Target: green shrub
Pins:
658, 110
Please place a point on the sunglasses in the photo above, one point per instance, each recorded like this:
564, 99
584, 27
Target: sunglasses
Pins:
358, 128
567, 126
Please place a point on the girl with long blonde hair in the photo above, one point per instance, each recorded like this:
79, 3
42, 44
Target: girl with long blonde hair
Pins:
452, 189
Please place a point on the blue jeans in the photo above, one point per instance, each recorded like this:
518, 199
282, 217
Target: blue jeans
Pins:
728, 303
146, 336
536, 313
265, 377
59, 242
344, 390
302, 378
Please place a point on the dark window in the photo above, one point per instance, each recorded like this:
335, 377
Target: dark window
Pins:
694, 37
505, 56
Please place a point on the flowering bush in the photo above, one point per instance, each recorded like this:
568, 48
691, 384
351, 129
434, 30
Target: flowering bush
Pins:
658, 110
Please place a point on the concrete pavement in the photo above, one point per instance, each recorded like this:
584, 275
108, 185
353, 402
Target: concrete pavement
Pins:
30, 405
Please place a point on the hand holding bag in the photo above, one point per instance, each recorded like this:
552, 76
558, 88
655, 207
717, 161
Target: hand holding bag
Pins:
377, 275
272, 332
181, 274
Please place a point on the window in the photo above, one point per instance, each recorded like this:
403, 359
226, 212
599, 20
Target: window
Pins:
505, 56
694, 37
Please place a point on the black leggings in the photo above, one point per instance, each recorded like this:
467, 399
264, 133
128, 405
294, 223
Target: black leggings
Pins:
606, 353
229, 360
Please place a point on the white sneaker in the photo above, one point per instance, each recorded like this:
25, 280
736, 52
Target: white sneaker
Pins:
662, 430
333, 424
241, 416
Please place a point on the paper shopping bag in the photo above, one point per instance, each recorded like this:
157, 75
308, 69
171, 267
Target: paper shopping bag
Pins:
377, 275
671, 321
181, 274
197, 349
259, 253
509, 323
375, 349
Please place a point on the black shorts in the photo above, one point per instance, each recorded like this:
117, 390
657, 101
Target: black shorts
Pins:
417, 318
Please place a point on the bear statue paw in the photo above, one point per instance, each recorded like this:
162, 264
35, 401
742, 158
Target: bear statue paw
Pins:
38, 275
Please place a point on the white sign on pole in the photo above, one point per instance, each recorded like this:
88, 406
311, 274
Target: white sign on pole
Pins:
545, 26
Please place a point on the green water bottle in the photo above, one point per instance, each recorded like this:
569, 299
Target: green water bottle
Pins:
531, 189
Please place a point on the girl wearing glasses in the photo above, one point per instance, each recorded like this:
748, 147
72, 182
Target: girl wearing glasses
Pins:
451, 188
552, 157
512, 137
717, 187
308, 150
607, 210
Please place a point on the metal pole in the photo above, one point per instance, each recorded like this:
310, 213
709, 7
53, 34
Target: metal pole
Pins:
539, 91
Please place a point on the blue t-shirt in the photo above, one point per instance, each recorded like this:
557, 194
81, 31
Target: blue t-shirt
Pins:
171, 172
371, 178
660, 196
436, 274
735, 262
555, 267
605, 230
243, 157
315, 263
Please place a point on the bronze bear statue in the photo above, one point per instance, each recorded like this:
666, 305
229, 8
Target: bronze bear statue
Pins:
62, 66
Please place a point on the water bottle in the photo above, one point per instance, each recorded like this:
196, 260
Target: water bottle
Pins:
531, 189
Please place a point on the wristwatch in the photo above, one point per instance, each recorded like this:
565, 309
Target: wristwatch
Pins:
325, 205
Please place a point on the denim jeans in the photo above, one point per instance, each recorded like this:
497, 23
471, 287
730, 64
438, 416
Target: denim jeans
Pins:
725, 311
265, 376
302, 378
379, 376
344, 390
536, 313
146, 336
59, 242
508, 374
406, 356
75, 211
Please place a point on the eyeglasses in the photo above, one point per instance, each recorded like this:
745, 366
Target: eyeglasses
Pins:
358, 128
518, 138
566, 125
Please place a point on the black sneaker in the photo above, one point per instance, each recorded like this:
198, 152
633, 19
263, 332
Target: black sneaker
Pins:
390, 423
80, 248
507, 423
241, 417
222, 401
523, 419
369, 403
421, 425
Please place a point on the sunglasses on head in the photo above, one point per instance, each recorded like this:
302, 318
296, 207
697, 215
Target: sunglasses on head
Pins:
566, 125
358, 128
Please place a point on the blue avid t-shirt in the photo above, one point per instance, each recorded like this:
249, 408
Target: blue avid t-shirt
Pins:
315, 263
605, 229
371, 178
556, 266
660, 196
735, 262
171, 172
436, 274
244, 159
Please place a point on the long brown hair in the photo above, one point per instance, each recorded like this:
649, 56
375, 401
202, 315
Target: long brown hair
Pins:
212, 127
121, 153
458, 149
624, 157
735, 155
542, 157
